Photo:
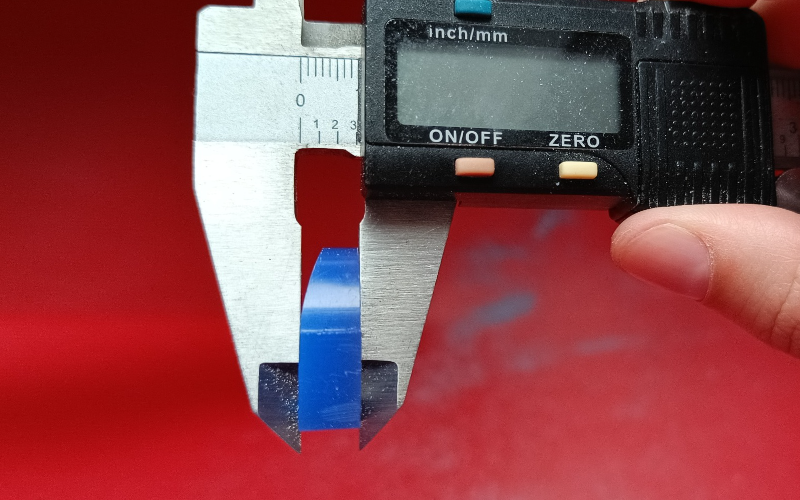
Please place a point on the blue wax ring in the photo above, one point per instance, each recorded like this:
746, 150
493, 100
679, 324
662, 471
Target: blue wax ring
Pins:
330, 344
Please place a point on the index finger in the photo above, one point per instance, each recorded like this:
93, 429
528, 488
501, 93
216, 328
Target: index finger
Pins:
783, 21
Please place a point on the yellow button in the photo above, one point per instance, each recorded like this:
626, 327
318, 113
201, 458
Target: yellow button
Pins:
475, 167
577, 170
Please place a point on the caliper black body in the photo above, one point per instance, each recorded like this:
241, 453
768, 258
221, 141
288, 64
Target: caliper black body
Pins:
669, 99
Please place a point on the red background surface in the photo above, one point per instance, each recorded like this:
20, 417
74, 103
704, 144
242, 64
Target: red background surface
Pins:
544, 372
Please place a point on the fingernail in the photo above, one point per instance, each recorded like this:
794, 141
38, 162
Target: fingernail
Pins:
671, 257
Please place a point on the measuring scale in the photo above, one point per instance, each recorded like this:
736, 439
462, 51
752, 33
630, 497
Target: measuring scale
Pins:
786, 118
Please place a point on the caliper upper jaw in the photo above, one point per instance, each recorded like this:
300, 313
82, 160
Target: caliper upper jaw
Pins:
244, 184
275, 27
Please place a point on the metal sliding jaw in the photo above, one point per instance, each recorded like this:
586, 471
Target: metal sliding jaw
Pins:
266, 80
401, 249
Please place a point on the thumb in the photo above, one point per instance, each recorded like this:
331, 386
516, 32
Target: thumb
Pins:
741, 260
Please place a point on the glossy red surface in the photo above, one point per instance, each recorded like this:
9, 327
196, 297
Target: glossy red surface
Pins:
544, 372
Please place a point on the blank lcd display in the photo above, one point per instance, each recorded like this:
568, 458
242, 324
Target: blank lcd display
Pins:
508, 87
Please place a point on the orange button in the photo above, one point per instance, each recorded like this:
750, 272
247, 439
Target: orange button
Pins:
474, 167
578, 170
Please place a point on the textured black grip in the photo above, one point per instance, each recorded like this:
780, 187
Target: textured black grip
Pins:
705, 136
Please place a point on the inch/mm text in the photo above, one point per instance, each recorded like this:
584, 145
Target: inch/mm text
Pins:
467, 33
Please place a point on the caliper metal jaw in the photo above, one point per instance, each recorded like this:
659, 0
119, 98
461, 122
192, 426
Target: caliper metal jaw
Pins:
254, 87
401, 248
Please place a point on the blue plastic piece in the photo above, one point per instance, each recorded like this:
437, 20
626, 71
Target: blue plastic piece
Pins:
330, 344
481, 8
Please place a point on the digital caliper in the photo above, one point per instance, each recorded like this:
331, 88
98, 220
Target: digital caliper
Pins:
532, 103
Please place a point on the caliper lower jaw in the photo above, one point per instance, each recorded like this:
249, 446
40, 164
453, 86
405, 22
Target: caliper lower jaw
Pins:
244, 184
401, 247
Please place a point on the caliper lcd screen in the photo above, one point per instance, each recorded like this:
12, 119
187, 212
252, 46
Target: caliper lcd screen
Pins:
511, 87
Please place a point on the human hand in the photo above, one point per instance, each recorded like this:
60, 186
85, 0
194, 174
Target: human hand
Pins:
741, 260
